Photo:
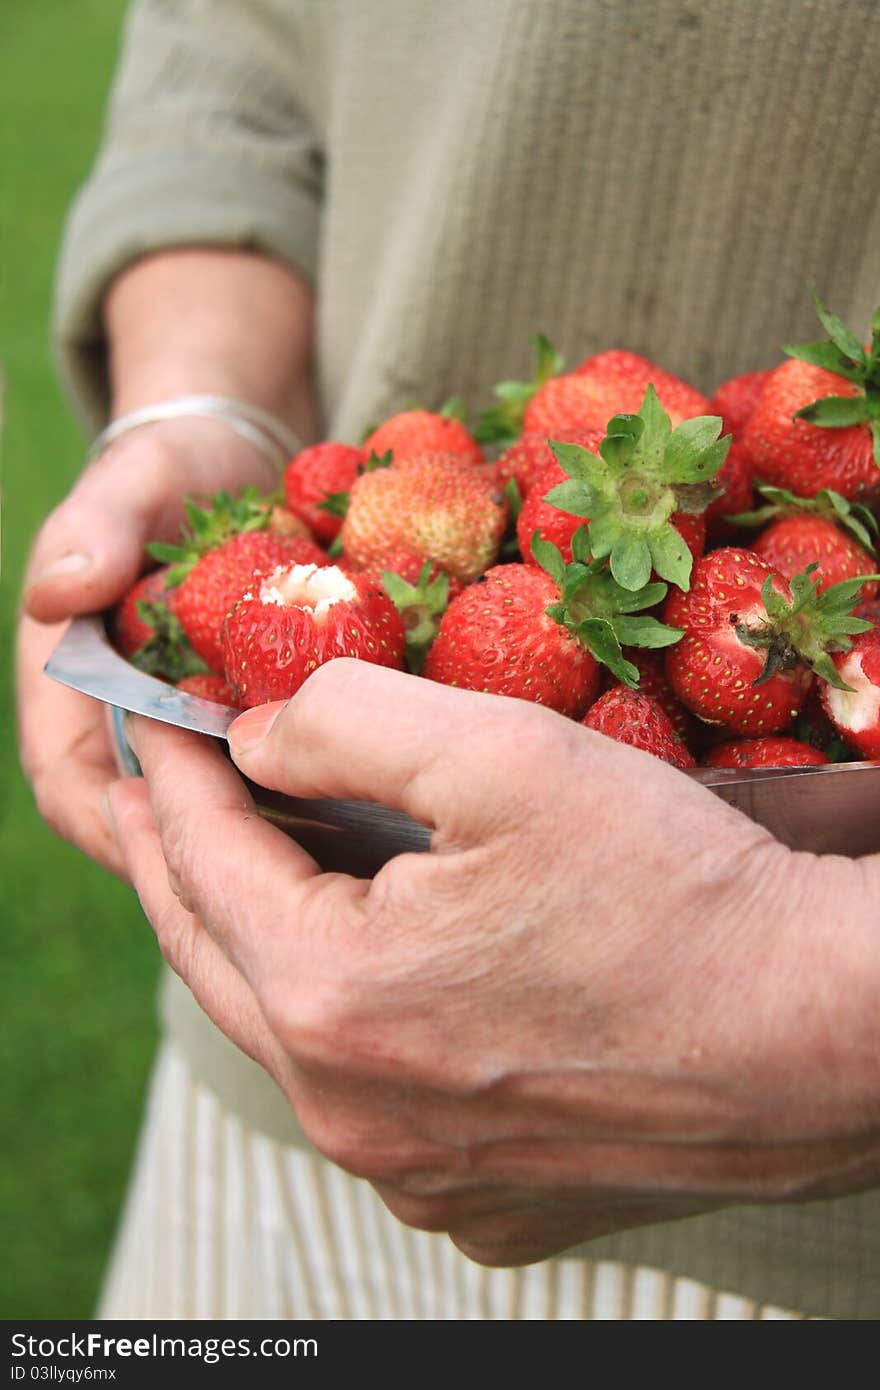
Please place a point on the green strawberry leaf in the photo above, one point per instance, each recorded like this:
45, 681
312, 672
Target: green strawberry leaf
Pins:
549, 557
835, 412
335, 504
689, 456
643, 631
824, 355
838, 332
575, 498
598, 637
514, 499
581, 549
575, 460
672, 558
454, 409
631, 561
824, 668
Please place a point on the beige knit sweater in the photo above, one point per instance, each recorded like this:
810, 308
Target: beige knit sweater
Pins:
456, 175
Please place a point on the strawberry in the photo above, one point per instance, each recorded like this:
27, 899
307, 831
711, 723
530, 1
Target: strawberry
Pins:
220, 577
643, 477
764, 752
208, 686
654, 682
147, 631
636, 719
611, 383
539, 633
132, 625
855, 710
751, 640
734, 481
286, 523
298, 617
817, 422
413, 432
497, 637
526, 458
551, 524
825, 529
442, 512
316, 475
795, 542
735, 399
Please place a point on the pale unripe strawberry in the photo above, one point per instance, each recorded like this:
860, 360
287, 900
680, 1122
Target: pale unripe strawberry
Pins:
443, 512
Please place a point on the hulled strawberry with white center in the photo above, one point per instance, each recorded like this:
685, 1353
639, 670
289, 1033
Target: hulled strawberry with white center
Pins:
855, 711
297, 618
644, 475
753, 640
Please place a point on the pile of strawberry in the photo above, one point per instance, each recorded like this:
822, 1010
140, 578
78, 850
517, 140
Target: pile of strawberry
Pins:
597, 545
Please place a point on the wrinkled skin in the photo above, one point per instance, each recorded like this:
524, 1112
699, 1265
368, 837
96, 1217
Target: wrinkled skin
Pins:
583, 1011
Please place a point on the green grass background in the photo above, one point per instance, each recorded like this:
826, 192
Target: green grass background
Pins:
80, 963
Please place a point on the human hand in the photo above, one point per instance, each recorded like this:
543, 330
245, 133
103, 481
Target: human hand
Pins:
87, 554
604, 999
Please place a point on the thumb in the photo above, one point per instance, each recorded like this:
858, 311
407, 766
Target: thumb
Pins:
452, 759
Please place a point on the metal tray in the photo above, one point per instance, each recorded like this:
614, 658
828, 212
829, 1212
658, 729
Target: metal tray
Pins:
833, 809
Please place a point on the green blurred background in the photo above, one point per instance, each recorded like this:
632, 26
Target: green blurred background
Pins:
81, 964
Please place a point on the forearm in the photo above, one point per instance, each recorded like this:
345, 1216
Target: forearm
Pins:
204, 320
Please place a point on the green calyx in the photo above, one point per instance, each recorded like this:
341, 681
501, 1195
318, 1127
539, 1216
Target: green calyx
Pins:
421, 606
336, 503
502, 423
858, 520
207, 527
806, 630
645, 471
602, 614
844, 355
167, 653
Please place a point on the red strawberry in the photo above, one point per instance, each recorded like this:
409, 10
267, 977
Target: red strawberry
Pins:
855, 713
794, 542
317, 474
734, 477
131, 625
413, 432
298, 617
444, 512
653, 681
497, 637
751, 640
817, 422
525, 460
220, 578
633, 718
764, 752
147, 630
208, 686
557, 526
712, 669
407, 567
735, 399
611, 383
643, 491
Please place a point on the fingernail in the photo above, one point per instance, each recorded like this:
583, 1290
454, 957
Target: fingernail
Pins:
251, 728
65, 566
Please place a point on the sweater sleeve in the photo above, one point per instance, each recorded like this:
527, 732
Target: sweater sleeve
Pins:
208, 141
